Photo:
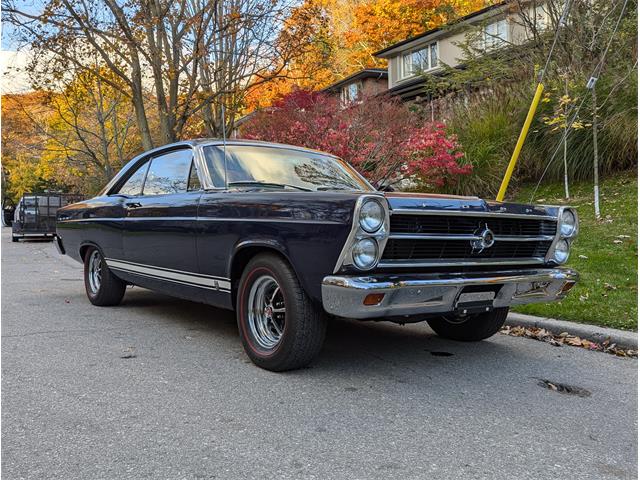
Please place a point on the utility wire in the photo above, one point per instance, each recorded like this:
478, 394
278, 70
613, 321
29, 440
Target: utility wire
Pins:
562, 22
590, 85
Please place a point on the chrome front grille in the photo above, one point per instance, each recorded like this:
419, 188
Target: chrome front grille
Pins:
449, 224
427, 239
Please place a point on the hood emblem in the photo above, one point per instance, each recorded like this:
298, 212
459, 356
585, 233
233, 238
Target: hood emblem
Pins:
485, 239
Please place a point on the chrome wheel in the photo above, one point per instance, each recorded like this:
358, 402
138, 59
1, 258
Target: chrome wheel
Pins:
95, 271
266, 311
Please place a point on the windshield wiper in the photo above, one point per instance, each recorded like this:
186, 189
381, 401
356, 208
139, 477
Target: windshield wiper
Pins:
249, 183
324, 189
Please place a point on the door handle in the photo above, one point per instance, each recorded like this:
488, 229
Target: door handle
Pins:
133, 204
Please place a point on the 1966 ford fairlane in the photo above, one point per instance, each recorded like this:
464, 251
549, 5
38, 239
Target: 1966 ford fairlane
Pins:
288, 237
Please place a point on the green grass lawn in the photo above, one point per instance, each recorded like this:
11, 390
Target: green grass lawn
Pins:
605, 253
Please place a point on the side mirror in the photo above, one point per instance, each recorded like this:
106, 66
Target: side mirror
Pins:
384, 188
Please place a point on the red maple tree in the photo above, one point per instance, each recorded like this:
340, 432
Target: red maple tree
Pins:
382, 138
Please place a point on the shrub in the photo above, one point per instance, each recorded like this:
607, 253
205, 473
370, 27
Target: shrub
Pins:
378, 136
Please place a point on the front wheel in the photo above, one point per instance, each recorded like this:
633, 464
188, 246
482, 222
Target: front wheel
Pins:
471, 328
281, 329
103, 287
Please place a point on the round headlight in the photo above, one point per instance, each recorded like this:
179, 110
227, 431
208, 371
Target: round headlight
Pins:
371, 216
365, 253
561, 253
568, 223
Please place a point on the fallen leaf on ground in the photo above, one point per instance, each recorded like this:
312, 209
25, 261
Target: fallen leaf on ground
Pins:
564, 338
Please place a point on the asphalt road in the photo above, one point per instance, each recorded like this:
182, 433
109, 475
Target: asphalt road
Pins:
161, 388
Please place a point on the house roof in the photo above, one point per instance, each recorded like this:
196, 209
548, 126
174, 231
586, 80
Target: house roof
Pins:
477, 13
379, 73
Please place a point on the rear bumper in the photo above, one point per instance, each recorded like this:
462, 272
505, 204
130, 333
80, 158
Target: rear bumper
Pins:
59, 246
420, 294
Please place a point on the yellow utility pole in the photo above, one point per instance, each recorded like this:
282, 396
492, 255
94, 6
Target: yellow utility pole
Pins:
521, 138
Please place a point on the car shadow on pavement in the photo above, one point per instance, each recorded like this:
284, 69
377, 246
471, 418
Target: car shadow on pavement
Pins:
364, 347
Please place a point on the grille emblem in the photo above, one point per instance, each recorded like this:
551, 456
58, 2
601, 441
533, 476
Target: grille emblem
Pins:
486, 240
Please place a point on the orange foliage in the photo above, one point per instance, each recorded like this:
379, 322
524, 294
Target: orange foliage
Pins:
343, 34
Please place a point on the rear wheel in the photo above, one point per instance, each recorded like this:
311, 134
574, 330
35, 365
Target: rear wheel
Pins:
471, 328
281, 329
14, 238
103, 287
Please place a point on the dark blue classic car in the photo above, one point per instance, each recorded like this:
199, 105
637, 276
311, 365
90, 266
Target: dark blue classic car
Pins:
289, 237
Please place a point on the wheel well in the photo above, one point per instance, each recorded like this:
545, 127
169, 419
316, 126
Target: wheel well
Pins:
83, 251
240, 261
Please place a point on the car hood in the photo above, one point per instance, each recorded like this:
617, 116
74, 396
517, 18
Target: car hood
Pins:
420, 202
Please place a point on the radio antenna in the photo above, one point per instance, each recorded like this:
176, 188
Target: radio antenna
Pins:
224, 144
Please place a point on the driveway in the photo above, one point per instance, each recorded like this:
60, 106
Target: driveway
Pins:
161, 388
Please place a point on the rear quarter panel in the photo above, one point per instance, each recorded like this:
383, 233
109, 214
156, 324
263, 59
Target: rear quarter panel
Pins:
97, 221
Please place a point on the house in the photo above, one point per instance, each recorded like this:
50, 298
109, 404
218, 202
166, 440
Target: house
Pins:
370, 81
428, 53
495, 26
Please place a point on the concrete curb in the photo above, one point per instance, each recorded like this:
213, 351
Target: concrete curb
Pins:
622, 338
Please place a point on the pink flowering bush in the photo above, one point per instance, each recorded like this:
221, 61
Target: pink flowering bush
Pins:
378, 136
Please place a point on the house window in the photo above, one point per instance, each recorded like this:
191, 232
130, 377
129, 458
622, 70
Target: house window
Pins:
351, 93
420, 60
542, 18
495, 34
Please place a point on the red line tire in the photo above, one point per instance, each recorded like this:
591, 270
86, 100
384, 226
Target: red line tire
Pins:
107, 290
271, 341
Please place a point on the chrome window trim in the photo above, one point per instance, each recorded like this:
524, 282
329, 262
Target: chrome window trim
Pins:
218, 143
466, 213
356, 233
203, 171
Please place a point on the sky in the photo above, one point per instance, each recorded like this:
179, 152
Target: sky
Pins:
14, 79
13, 61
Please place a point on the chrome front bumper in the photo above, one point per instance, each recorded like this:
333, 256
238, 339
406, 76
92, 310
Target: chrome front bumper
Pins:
419, 294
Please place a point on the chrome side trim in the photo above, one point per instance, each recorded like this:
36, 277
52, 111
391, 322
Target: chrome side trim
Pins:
460, 263
177, 276
201, 219
466, 213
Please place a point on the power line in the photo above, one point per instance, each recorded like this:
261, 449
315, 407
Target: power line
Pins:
591, 84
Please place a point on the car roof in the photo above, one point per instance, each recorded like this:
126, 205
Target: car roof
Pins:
236, 141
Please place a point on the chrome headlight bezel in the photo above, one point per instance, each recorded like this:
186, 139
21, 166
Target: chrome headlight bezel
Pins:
562, 251
380, 235
568, 223
563, 234
361, 244
371, 220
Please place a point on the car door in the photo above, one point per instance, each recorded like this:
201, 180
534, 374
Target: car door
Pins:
159, 223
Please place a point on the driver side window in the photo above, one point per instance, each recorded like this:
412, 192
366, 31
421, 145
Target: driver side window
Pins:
133, 186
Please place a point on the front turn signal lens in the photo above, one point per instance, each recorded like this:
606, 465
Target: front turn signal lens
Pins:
373, 299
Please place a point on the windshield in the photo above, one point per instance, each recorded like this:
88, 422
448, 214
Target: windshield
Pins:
250, 166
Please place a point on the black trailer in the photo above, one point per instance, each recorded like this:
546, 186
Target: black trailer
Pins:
35, 214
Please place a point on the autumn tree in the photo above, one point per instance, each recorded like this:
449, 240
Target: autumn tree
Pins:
341, 36
91, 133
23, 144
187, 56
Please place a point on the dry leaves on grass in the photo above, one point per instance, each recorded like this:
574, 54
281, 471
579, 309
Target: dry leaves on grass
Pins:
564, 338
